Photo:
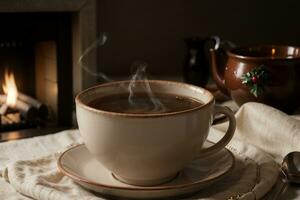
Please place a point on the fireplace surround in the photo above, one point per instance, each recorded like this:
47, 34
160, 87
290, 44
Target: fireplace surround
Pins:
49, 37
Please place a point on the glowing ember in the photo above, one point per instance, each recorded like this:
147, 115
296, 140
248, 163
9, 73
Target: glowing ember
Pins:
10, 89
273, 51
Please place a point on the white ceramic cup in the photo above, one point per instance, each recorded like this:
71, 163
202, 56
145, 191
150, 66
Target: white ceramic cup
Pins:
149, 149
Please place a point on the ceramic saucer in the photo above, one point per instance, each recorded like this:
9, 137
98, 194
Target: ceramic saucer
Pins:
78, 164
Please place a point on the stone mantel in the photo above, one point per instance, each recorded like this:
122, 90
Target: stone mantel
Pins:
42, 5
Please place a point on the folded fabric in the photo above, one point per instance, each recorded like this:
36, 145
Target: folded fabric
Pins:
260, 129
31, 148
250, 179
40, 179
266, 128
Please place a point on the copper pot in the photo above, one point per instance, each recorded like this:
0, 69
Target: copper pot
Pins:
268, 74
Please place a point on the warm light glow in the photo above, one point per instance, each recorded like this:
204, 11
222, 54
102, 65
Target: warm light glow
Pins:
273, 51
10, 89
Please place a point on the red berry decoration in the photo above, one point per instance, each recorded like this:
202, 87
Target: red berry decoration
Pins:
256, 80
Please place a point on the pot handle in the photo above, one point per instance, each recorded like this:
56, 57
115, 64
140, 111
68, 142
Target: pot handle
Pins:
226, 138
218, 59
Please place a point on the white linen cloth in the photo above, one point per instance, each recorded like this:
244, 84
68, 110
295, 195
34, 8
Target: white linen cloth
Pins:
29, 165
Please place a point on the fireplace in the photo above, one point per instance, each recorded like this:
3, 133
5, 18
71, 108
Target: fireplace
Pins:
36, 47
40, 43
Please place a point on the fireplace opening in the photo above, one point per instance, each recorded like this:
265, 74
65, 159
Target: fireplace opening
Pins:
37, 49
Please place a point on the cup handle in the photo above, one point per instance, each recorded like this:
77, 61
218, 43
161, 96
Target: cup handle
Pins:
226, 138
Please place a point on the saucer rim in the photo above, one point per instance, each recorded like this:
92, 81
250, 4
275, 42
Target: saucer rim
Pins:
78, 178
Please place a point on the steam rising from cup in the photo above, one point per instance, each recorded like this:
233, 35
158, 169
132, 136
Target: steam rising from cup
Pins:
99, 42
153, 104
140, 75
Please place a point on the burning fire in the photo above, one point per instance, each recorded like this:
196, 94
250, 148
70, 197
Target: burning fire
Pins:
273, 51
10, 89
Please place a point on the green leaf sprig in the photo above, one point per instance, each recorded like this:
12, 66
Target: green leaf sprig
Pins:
256, 79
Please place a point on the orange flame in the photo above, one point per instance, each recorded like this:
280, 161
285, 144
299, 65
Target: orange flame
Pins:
273, 51
10, 89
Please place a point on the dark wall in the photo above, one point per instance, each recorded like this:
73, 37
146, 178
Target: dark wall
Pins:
153, 30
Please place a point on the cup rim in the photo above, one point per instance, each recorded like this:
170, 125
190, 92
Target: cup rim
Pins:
234, 54
80, 103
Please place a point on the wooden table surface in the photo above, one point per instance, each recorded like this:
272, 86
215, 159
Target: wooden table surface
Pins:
26, 133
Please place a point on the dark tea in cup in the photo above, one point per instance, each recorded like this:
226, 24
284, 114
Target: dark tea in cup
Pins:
143, 103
